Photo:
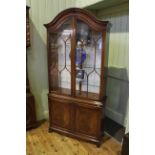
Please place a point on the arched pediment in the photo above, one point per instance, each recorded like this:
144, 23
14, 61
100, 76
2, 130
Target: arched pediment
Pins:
77, 13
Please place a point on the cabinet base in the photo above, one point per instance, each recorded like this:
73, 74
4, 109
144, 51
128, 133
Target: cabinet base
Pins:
83, 137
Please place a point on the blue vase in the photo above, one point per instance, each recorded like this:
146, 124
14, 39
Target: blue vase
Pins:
80, 56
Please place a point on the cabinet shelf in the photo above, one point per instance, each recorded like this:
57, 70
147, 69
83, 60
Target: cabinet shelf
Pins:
82, 94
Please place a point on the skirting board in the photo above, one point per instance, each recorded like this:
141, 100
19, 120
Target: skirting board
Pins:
114, 115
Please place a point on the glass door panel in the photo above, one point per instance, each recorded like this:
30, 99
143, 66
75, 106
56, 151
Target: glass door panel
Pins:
88, 61
60, 62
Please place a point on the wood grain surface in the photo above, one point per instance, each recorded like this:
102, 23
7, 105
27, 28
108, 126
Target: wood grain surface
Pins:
40, 142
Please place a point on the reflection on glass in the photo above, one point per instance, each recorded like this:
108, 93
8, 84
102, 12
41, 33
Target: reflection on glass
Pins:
60, 59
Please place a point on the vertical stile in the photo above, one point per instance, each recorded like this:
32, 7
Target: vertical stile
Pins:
73, 47
101, 93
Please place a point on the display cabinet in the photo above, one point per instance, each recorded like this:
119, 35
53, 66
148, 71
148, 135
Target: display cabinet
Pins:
76, 51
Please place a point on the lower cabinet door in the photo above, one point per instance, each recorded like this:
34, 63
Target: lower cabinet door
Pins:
87, 121
60, 113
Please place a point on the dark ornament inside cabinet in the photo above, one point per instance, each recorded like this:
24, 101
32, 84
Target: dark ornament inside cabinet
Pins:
76, 51
30, 101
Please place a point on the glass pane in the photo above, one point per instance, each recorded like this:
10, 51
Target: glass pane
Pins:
60, 69
88, 61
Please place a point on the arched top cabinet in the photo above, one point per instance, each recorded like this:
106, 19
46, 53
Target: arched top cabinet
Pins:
76, 51
76, 13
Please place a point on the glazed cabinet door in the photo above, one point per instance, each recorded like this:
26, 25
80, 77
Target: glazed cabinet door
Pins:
59, 60
60, 113
89, 51
87, 121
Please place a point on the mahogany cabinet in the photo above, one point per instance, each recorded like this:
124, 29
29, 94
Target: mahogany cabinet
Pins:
30, 101
76, 43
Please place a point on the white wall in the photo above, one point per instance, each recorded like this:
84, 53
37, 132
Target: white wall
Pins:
41, 12
118, 62
85, 3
